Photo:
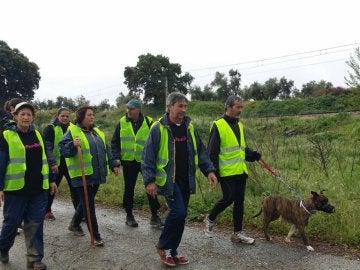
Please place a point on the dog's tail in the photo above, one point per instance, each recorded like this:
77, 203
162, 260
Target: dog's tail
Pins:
257, 214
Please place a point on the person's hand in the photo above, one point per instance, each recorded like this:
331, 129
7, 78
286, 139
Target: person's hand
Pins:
151, 189
77, 141
256, 155
55, 169
2, 196
212, 179
116, 170
117, 162
53, 188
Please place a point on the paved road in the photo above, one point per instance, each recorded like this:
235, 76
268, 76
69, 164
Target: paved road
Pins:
133, 248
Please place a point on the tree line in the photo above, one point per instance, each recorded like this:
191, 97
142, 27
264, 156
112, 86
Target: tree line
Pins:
154, 76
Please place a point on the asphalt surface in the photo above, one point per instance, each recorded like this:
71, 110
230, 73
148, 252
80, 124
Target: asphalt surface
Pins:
134, 248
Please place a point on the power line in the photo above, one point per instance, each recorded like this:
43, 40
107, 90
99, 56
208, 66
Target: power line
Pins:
322, 52
279, 69
258, 64
298, 66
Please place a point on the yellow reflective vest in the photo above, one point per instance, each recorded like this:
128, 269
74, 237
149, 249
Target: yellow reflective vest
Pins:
73, 163
132, 145
58, 134
232, 155
163, 153
15, 170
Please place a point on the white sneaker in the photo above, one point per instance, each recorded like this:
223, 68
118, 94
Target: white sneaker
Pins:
240, 237
208, 227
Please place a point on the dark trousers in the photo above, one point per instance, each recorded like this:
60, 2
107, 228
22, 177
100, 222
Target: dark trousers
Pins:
63, 172
81, 209
131, 170
171, 235
233, 189
31, 210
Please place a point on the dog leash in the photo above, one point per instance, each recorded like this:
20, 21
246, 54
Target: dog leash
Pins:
281, 179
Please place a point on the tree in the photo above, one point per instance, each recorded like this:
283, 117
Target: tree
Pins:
310, 88
271, 89
220, 82
18, 76
286, 88
235, 81
197, 94
81, 100
122, 99
354, 75
254, 91
208, 94
152, 75
226, 87
104, 105
65, 102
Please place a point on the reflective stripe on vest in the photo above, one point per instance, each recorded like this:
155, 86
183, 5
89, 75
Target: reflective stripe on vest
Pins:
163, 154
73, 163
58, 134
132, 145
232, 155
15, 170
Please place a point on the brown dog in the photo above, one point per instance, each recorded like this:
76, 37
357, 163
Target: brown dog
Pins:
297, 212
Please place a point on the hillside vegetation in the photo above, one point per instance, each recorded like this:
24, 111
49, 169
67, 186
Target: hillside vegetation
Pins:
310, 153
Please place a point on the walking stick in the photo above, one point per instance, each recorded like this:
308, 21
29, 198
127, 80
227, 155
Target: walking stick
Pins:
86, 195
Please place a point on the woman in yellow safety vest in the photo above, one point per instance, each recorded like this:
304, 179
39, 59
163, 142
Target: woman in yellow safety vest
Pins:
96, 160
52, 134
24, 185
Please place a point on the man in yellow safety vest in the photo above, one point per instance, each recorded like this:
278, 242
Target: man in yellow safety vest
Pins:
228, 152
172, 154
127, 146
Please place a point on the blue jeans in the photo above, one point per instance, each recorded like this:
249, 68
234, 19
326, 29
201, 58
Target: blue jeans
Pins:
31, 209
171, 235
81, 209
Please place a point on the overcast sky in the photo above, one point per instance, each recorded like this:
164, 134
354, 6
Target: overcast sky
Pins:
83, 46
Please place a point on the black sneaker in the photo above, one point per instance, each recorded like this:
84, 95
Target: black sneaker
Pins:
4, 256
77, 230
156, 222
38, 265
131, 222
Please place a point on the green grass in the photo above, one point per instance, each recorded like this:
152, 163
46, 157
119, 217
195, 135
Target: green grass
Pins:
322, 153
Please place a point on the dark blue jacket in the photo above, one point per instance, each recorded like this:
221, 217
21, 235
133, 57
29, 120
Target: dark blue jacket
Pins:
148, 162
98, 152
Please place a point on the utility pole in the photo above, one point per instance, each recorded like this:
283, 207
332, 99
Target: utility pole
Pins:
166, 90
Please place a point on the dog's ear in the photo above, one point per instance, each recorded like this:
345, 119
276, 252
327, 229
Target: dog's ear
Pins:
321, 191
314, 193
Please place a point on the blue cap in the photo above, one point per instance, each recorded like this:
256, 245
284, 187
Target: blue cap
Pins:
134, 104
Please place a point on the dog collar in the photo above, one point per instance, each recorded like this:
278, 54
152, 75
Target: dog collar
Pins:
303, 206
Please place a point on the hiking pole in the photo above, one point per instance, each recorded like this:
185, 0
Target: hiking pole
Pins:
86, 195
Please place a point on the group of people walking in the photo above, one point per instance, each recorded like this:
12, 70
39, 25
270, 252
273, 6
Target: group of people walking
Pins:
167, 153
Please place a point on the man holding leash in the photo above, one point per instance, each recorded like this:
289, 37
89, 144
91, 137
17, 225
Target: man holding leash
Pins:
228, 152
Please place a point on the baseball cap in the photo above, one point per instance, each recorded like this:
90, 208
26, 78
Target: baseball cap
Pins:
22, 105
134, 104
